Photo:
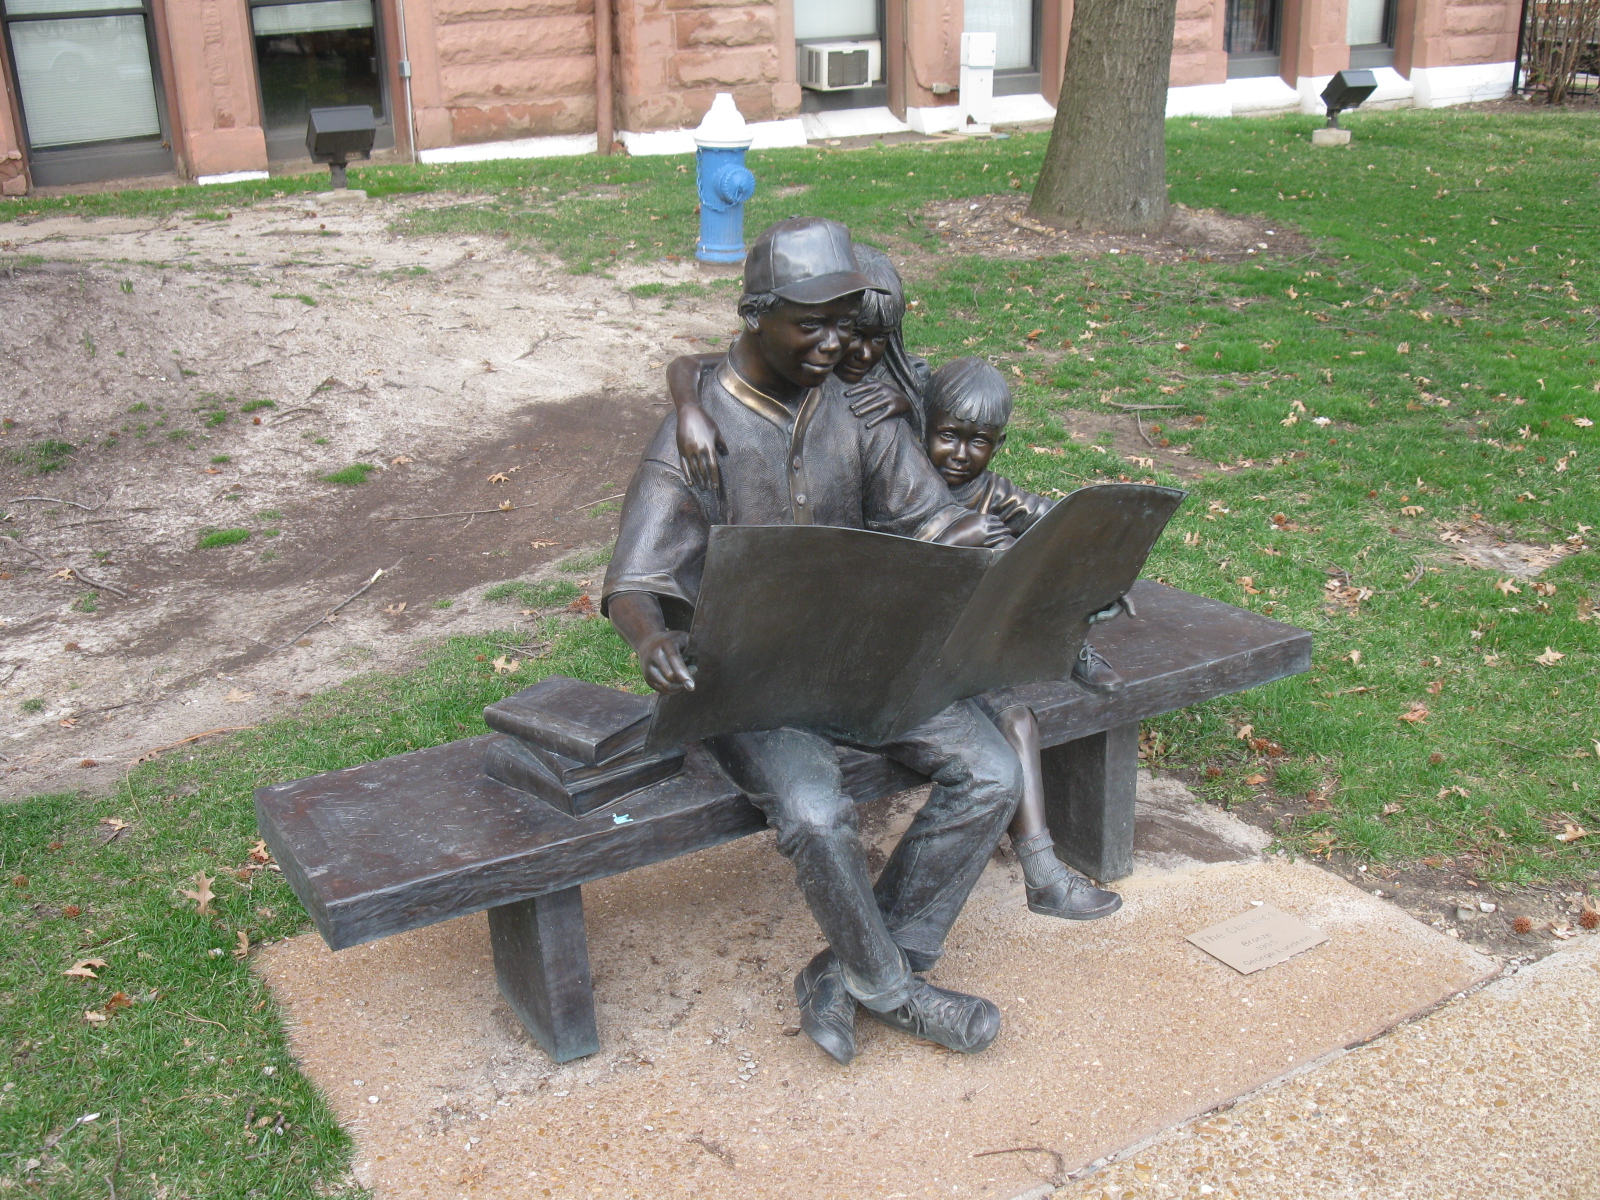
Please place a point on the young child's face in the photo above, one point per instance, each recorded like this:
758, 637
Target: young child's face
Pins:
961, 450
864, 352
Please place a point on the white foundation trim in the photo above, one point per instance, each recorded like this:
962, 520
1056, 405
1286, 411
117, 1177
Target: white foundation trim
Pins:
1199, 100
766, 135
1394, 90
1018, 110
535, 147
946, 118
1437, 87
851, 122
1260, 95
1310, 89
231, 177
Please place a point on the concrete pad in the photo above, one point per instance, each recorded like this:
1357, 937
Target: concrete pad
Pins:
1490, 1098
1115, 1030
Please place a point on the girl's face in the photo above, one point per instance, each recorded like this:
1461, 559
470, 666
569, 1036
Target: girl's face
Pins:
863, 353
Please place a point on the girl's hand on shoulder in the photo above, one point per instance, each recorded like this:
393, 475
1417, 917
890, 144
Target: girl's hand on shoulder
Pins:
699, 443
877, 401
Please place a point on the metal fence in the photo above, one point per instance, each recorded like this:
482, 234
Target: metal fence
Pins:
1558, 50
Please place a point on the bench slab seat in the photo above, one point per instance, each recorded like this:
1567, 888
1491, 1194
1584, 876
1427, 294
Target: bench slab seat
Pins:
406, 841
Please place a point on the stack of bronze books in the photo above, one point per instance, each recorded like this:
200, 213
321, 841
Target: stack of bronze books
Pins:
575, 745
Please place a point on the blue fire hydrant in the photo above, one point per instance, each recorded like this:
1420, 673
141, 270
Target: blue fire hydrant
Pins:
723, 181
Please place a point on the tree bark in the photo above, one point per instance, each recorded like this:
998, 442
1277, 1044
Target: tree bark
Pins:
1106, 166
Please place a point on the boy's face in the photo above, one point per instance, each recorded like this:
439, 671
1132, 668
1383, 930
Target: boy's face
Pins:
803, 343
961, 450
863, 353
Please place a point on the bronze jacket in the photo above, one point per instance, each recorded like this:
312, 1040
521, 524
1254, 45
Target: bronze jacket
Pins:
998, 496
814, 465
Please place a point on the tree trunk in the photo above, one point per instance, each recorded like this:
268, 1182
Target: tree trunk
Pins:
1106, 167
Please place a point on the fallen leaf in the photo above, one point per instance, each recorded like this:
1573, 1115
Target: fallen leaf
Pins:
1412, 510
1249, 585
394, 610
1582, 422
583, 606
1454, 790
1562, 931
95, 1018
1391, 809
1436, 687
112, 828
506, 506
235, 696
400, 460
259, 852
1549, 658
1353, 658
1403, 348
1034, 335
1245, 731
499, 477
20, 881
67, 722
64, 573
1417, 712
1191, 539
202, 894
1585, 609
1506, 587
119, 1000
541, 545
242, 950
85, 968
505, 665
1255, 780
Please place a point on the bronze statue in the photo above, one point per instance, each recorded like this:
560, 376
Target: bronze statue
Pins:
797, 456
960, 412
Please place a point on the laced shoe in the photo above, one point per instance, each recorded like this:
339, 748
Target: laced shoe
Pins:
953, 1019
827, 1010
1073, 898
1093, 673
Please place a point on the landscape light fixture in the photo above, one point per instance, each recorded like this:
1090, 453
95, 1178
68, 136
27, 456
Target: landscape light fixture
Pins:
336, 135
1347, 89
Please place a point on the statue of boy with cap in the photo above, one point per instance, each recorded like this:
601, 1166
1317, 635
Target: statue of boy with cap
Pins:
797, 456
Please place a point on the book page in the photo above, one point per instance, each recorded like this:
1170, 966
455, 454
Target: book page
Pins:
1027, 619
816, 627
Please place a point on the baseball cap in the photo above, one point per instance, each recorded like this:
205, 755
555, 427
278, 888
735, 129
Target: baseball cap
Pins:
805, 259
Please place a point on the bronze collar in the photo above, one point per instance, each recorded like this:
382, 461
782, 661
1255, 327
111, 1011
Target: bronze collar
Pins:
757, 401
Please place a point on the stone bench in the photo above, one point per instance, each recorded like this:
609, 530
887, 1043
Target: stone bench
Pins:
403, 842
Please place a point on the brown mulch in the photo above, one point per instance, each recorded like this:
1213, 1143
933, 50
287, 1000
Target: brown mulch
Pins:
999, 227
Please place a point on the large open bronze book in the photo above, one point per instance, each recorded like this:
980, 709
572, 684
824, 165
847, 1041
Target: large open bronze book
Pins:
862, 636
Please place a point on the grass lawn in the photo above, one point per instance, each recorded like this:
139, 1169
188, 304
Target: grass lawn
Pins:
1432, 372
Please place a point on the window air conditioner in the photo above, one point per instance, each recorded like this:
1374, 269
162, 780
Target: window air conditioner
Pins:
834, 66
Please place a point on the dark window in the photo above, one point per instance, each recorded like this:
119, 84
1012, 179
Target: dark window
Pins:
1250, 36
321, 54
91, 100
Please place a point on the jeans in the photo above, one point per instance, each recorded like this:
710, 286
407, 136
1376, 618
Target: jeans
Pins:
793, 776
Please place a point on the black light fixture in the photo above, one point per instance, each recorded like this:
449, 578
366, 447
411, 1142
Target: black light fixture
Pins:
1347, 89
336, 135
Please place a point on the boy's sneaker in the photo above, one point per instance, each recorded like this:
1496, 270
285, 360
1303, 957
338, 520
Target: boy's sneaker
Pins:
827, 1010
953, 1019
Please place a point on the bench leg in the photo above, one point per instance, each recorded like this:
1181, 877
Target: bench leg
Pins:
1088, 800
541, 961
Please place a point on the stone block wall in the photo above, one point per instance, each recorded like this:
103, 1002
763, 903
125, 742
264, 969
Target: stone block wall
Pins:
1455, 33
675, 55
1197, 54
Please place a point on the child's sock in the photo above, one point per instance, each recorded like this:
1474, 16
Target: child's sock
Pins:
1040, 866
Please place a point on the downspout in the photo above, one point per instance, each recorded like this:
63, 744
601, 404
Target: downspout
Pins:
405, 79
604, 116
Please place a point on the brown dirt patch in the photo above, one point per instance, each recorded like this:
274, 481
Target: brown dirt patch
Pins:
999, 227
138, 342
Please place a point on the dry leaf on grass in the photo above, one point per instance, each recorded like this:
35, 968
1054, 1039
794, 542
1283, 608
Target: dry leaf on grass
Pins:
505, 665
242, 950
1571, 833
1435, 687
259, 852
1244, 732
1412, 510
85, 968
1249, 585
202, 894
119, 1000
1256, 780
1549, 658
1417, 712
1506, 587
95, 1018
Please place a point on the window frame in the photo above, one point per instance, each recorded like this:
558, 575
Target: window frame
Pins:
111, 158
